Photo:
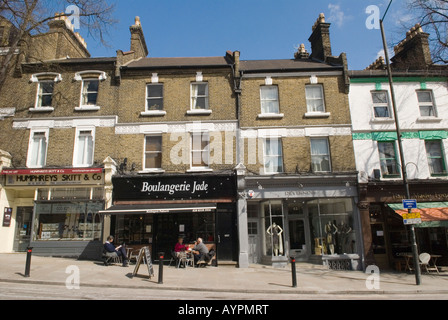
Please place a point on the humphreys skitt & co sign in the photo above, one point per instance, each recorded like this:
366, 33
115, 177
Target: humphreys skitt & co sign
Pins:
174, 187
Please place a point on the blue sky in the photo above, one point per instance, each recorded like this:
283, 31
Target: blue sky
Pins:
260, 29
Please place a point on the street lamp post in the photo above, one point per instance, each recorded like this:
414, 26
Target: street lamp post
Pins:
400, 148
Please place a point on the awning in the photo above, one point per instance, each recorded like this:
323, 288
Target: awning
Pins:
159, 208
433, 214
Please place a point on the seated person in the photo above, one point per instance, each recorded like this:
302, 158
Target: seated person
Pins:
199, 251
179, 247
120, 250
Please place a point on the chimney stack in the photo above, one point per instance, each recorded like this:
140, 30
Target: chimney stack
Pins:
320, 39
138, 43
413, 52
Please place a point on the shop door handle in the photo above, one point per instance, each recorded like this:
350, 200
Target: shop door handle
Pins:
219, 239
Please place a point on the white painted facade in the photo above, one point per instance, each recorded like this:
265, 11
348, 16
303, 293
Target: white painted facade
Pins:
415, 127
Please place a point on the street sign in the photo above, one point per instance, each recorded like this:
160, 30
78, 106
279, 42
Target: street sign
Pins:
410, 204
412, 218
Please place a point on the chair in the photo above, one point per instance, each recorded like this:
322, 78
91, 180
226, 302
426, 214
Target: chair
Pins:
110, 257
425, 259
185, 259
174, 258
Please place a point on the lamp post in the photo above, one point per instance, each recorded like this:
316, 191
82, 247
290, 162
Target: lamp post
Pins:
400, 148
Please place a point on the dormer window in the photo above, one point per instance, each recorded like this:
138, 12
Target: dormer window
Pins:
89, 89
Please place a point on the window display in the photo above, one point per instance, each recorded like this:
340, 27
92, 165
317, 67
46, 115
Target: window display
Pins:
68, 221
331, 223
273, 220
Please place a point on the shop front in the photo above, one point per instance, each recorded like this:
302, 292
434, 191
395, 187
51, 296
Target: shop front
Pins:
155, 211
389, 237
55, 211
314, 220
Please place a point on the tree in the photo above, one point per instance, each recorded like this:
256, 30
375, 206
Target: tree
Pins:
30, 17
433, 16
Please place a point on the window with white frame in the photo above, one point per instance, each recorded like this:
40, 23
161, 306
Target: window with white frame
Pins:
154, 97
435, 156
381, 106
89, 93
315, 101
273, 155
37, 150
45, 94
200, 150
388, 159
269, 99
426, 103
199, 96
153, 152
84, 147
320, 155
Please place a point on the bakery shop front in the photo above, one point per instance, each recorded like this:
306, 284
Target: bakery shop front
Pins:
155, 211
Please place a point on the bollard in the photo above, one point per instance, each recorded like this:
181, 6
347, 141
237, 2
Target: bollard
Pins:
161, 256
29, 251
293, 271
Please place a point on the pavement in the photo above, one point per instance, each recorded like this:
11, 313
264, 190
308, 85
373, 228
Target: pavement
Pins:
311, 279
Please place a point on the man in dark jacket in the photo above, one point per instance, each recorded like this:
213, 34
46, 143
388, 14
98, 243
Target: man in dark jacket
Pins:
120, 251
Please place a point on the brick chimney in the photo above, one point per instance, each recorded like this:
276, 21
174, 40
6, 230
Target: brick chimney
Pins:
138, 43
413, 52
320, 39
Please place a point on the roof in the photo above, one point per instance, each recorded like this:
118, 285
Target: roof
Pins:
285, 64
179, 62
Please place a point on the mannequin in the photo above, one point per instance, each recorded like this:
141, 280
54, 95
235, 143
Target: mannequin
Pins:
276, 232
331, 230
344, 230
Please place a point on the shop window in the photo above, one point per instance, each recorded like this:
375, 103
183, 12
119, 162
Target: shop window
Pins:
269, 99
68, 221
381, 106
37, 149
435, 156
273, 219
388, 159
426, 103
153, 152
320, 155
273, 155
331, 223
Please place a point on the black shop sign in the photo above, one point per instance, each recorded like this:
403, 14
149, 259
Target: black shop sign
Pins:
174, 187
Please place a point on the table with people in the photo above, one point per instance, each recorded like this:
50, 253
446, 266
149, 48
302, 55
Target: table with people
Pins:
194, 254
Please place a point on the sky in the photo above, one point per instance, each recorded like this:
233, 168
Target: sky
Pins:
259, 29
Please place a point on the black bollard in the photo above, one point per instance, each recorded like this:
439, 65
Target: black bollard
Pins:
29, 251
161, 256
293, 270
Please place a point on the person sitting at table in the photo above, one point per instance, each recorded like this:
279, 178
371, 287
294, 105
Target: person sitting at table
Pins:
179, 247
120, 251
199, 250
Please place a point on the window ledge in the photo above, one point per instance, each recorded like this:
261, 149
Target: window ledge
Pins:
200, 170
41, 109
87, 108
382, 120
271, 116
152, 171
317, 114
153, 113
197, 112
428, 119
